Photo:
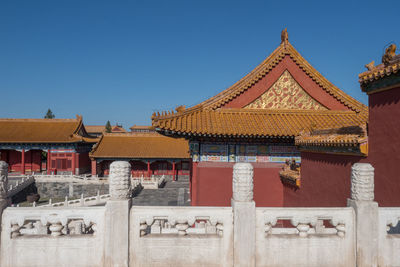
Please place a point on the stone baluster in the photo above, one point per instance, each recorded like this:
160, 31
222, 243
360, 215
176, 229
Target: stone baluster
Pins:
220, 229
367, 217
244, 215
15, 230
143, 228
341, 229
55, 225
303, 229
94, 229
182, 225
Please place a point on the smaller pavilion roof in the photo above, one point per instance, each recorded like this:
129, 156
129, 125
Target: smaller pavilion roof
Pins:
98, 129
141, 127
140, 145
256, 122
343, 137
44, 131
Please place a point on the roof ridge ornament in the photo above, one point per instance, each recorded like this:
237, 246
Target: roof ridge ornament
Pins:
390, 53
284, 37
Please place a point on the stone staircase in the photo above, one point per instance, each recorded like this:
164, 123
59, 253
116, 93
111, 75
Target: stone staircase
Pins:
174, 193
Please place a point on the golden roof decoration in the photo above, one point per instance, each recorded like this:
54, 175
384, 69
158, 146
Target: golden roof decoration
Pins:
390, 65
286, 93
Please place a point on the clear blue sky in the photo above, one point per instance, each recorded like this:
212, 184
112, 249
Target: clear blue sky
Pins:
122, 60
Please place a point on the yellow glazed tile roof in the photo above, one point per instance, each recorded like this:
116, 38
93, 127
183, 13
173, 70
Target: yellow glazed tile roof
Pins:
355, 136
140, 145
211, 117
44, 131
256, 122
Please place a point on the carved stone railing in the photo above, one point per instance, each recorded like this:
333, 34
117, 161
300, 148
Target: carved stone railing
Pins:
25, 182
294, 236
155, 232
20, 222
389, 237
82, 201
153, 182
306, 221
181, 221
53, 237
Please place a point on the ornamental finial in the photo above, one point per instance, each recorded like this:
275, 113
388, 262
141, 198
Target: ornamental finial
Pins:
284, 36
390, 52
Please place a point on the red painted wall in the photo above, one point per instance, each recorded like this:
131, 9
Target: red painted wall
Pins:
325, 181
384, 145
214, 184
33, 160
83, 162
139, 168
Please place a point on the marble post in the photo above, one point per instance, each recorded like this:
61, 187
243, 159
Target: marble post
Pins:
244, 216
367, 217
117, 215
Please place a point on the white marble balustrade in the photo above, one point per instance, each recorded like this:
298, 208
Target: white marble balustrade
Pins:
52, 237
298, 237
170, 234
389, 236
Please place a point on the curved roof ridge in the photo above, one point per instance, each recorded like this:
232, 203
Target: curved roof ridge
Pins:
328, 86
38, 119
285, 48
283, 111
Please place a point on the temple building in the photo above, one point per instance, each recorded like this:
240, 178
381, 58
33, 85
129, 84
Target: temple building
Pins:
45, 145
148, 152
256, 120
142, 129
98, 130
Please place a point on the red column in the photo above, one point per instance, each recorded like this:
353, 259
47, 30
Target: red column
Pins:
48, 162
194, 183
190, 177
94, 167
73, 162
173, 171
23, 161
148, 169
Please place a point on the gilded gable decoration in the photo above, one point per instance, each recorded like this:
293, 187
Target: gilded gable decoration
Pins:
286, 93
